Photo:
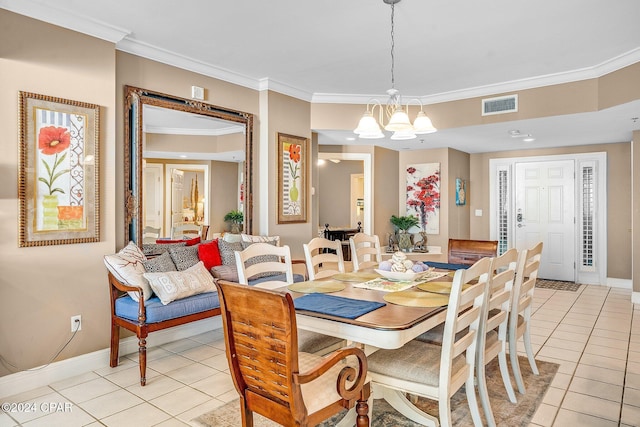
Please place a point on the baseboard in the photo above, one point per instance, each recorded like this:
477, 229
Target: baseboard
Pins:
612, 282
58, 371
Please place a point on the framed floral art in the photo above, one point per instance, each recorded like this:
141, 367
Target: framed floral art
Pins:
58, 182
292, 178
423, 195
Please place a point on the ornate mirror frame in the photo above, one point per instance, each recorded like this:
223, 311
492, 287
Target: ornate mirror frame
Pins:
135, 98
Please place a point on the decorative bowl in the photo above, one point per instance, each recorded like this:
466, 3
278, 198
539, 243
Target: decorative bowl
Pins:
399, 275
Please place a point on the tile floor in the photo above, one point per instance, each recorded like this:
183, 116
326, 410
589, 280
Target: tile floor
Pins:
594, 334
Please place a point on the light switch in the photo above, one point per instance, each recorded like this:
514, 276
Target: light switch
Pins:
478, 212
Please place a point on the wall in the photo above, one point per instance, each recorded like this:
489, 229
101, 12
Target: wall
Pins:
458, 215
290, 116
619, 201
385, 191
334, 189
42, 287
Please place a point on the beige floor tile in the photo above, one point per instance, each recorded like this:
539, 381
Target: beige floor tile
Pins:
215, 385
89, 390
633, 366
631, 396
172, 422
606, 351
565, 366
218, 362
171, 363
566, 418
180, 400
632, 381
109, 404
123, 364
561, 381
153, 353
596, 373
559, 353
203, 408
597, 389
609, 342
73, 381
612, 324
565, 344
7, 421
570, 336
130, 376
192, 373
588, 318
554, 396
623, 336
630, 415
72, 418
545, 415
29, 395
201, 353
538, 323
155, 387
603, 362
181, 345
591, 406
143, 415
574, 328
578, 322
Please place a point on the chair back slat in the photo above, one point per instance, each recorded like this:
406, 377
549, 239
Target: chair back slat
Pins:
264, 258
365, 251
321, 263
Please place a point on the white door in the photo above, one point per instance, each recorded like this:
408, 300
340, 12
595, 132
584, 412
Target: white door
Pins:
177, 196
152, 204
545, 211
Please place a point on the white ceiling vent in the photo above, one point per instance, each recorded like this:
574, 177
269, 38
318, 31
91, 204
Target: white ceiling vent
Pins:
500, 105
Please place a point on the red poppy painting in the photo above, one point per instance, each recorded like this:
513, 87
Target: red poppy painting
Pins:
58, 171
292, 200
423, 195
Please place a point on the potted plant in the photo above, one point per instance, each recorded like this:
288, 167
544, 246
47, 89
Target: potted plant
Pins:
404, 223
236, 218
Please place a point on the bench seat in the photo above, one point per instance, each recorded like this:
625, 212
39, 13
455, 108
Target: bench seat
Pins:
127, 308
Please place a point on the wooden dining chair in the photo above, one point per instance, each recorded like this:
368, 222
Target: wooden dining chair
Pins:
150, 234
365, 251
266, 260
272, 378
185, 231
323, 258
520, 314
438, 371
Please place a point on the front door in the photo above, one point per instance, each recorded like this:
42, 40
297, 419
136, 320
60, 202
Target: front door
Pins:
545, 211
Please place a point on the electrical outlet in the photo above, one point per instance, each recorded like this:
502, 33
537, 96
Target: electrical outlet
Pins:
76, 323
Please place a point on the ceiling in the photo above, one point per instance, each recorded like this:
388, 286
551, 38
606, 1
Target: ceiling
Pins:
339, 51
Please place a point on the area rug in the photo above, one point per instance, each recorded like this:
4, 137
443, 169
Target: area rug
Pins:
558, 285
505, 412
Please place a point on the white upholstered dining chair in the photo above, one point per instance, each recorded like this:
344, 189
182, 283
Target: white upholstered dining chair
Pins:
261, 259
320, 263
521, 304
365, 251
437, 371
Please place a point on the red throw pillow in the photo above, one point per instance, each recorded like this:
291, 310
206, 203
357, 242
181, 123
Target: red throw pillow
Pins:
209, 254
187, 242
193, 241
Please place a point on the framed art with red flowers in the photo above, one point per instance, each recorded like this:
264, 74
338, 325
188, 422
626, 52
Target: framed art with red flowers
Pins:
58, 182
423, 195
292, 178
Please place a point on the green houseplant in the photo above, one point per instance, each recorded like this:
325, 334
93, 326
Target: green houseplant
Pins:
236, 218
404, 223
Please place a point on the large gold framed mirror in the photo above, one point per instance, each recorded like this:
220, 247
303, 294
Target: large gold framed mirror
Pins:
204, 148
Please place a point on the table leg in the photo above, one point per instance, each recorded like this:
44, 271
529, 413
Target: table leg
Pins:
398, 400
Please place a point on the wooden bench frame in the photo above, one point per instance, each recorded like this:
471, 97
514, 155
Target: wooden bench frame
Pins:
141, 328
469, 251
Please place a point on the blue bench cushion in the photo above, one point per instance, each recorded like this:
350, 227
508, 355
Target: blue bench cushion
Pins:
127, 308
276, 277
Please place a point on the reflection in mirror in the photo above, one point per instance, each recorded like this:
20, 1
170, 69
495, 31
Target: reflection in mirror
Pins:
186, 166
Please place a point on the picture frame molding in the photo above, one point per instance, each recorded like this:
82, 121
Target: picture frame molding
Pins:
285, 205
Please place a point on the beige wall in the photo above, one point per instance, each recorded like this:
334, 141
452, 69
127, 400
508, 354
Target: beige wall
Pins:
385, 191
618, 194
635, 212
458, 215
42, 287
334, 190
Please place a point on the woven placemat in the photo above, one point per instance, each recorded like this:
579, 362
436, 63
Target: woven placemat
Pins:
417, 299
439, 287
317, 286
356, 276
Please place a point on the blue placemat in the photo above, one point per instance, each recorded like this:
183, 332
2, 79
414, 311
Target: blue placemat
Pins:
336, 306
446, 265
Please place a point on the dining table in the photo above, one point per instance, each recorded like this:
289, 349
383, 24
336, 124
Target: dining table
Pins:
388, 326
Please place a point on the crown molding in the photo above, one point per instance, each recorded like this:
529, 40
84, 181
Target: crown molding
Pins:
48, 12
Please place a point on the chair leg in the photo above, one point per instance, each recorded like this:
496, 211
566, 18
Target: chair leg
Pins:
471, 400
504, 371
142, 357
529, 348
245, 413
115, 345
515, 365
398, 400
484, 395
362, 409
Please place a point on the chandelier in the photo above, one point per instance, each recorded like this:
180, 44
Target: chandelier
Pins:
398, 117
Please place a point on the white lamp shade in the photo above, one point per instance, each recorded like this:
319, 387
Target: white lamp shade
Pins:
403, 134
399, 121
368, 125
422, 124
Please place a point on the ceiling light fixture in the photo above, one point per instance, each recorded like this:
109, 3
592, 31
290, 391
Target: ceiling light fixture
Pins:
526, 137
398, 123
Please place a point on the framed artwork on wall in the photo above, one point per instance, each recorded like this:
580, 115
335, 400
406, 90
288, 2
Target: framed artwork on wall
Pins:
58, 182
461, 192
423, 195
292, 178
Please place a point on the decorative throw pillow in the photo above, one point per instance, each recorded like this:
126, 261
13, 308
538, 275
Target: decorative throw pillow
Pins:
226, 251
184, 256
172, 285
159, 264
126, 266
231, 237
262, 239
209, 253
158, 248
225, 272
185, 242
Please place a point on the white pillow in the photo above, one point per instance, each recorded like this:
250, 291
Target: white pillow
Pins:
231, 238
127, 267
173, 285
274, 240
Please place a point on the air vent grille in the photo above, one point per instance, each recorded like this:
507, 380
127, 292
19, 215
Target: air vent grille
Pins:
500, 105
